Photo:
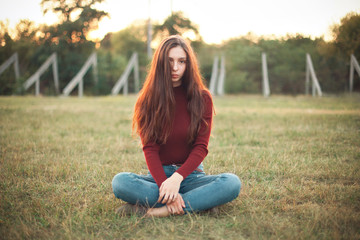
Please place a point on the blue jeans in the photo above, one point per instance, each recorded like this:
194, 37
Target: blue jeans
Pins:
199, 191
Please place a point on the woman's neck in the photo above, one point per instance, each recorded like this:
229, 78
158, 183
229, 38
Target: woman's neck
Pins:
177, 83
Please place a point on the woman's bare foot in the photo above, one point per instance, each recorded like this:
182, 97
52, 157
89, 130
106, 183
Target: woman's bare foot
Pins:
130, 209
158, 212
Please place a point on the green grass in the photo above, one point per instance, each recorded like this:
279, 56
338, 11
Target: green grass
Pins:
298, 159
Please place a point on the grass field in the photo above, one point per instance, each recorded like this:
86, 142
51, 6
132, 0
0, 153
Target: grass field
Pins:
298, 159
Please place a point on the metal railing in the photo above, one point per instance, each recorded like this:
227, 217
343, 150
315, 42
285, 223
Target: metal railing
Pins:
354, 65
35, 78
123, 80
311, 72
78, 79
13, 59
217, 78
265, 82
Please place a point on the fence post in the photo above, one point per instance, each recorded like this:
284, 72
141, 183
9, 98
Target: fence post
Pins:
136, 74
35, 78
123, 80
311, 72
354, 65
214, 75
307, 80
95, 73
265, 85
78, 79
221, 81
56, 75
13, 59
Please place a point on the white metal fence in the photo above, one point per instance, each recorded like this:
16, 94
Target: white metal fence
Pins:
217, 78
13, 59
78, 79
216, 85
314, 83
354, 65
35, 78
123, 80
265, 83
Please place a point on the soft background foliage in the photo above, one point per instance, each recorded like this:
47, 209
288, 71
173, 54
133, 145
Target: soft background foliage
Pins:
68, 38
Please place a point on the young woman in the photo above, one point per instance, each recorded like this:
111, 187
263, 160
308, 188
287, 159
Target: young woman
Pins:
173, 116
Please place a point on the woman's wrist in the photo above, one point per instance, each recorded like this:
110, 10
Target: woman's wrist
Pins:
177, 176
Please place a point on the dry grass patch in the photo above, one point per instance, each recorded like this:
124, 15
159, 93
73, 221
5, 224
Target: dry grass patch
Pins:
298, 159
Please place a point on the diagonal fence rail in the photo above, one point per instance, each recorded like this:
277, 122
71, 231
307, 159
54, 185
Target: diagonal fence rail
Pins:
214, 75
354, 65
310, 72
35, 78
13, 59
216, 85
78, 79
123, 80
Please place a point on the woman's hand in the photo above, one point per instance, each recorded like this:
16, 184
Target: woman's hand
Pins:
169, 189
176, 207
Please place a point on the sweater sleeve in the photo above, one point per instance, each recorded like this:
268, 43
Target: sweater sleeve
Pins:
200, 146
151, 152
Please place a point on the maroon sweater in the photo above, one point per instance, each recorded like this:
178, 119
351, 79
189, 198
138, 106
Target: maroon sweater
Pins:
176, 150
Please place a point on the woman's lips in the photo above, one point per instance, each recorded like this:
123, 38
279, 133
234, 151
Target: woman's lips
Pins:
174, 76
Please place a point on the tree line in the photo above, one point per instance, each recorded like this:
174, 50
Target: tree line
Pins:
68, 38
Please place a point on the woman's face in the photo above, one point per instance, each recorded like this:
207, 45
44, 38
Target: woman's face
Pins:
177, 57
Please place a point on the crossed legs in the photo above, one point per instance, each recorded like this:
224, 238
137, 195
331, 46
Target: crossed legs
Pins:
199, 191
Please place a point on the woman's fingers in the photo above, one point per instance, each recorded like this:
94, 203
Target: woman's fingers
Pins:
176, 207
174, 210
170, 188
168, 198
182, 202
165, 199
173, 197
169, 208
161, 195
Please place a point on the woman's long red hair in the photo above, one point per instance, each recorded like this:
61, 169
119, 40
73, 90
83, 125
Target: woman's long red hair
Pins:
154, 109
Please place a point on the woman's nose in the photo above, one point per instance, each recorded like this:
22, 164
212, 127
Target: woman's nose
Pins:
175, 66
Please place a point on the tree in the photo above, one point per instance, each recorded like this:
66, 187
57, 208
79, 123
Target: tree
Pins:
129, 40
347, 34
24, 42
115, 52
242, 65
77, 18
177, 24
6, 42
68, 37
346, 41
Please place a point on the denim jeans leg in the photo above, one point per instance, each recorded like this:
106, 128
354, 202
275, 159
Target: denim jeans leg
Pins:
136, 189
202, 192
199, 191
139, 189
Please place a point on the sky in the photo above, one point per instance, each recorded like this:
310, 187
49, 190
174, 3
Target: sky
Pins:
217, 20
